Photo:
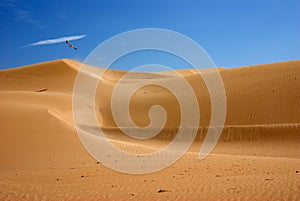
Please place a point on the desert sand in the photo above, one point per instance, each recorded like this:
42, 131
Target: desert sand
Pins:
256, 158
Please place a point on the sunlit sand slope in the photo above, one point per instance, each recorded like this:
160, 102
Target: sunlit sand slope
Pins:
256, 158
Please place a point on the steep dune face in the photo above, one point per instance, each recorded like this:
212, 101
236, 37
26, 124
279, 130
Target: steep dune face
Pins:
256, 95
39, 145
263, 94
263, 103
261, 100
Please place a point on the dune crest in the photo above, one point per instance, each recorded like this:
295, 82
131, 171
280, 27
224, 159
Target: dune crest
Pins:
260, 144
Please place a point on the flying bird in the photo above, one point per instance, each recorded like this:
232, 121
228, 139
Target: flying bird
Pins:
70, 45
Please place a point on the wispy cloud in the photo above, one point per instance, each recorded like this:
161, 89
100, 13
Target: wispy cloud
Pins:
22, 11
56, 40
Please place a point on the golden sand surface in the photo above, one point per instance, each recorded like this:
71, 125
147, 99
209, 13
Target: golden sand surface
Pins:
256, 158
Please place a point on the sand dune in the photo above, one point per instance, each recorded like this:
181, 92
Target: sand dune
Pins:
256, 158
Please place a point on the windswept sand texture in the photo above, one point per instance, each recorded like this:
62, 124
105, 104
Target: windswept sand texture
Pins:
256, 158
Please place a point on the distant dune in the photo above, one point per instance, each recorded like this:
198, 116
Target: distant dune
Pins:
256, 158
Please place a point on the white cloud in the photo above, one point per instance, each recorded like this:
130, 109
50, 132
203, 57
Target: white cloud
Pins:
57, 40
21, 10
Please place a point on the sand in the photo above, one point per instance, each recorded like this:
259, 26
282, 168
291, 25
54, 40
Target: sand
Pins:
256, 158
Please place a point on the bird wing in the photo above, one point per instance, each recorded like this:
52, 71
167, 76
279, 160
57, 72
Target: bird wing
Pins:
70, 45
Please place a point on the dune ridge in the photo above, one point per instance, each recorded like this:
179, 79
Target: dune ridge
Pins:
41, 156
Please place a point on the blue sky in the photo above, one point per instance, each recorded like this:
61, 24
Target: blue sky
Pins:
233, 32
